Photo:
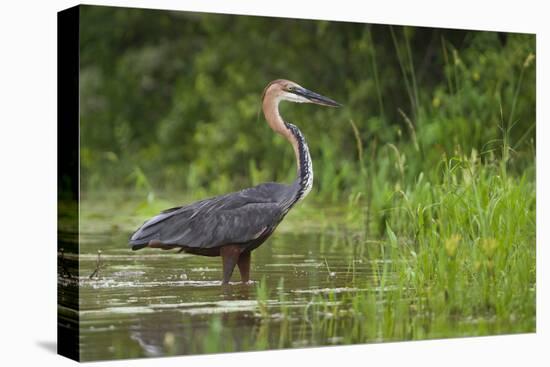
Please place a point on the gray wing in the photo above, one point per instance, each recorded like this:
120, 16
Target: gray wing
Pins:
233, 218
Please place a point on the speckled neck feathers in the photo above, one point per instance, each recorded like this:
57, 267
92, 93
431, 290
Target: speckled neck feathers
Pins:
304, 181
304, 166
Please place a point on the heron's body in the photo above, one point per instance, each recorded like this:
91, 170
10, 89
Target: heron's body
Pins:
232, 225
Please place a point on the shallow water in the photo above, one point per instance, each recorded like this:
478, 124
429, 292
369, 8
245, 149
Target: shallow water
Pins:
319, 280
155, 303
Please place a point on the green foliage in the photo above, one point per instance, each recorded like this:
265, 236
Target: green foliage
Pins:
176, 96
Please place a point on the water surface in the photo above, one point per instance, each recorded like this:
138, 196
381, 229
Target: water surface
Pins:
152, 303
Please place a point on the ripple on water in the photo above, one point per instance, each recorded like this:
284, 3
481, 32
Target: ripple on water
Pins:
296, 265
288, 256
192, 308
222, 307
112, 283
203, 270
128, 273
327, 290
118, 310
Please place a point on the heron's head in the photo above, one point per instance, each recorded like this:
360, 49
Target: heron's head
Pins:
286, 90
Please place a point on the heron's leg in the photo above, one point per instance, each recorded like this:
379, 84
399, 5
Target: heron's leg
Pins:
244, 266
230, 256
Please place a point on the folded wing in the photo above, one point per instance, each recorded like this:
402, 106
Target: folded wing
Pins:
233, 218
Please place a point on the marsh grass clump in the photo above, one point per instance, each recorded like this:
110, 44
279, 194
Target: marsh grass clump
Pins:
457, 259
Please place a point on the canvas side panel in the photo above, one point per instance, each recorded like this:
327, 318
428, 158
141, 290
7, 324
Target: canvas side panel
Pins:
68, 182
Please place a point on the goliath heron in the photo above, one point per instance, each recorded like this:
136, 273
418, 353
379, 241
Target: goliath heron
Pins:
233, 225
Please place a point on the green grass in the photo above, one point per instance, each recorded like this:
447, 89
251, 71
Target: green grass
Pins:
457, 258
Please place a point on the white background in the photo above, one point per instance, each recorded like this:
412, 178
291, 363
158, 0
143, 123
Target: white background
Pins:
28, 181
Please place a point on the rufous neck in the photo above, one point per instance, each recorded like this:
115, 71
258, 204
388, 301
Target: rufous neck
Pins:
270, 107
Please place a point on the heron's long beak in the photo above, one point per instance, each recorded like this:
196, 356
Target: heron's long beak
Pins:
316, 98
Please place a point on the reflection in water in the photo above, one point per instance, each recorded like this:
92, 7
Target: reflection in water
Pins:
162, 303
